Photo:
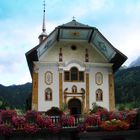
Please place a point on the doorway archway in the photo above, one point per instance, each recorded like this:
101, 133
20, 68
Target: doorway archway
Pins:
75, 106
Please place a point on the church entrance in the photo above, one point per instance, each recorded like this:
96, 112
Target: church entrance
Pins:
75, 106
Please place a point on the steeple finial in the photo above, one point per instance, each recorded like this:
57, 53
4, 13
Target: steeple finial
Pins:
73, 17
44, 7
43, 35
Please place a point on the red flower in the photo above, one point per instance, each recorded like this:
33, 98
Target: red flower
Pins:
5, 129
31, 128
6, 115
114, 125
67, 120
18, 121
31, 116
91, 120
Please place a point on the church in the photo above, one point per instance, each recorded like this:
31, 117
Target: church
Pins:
74, 65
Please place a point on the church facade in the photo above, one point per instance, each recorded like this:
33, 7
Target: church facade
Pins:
74, 66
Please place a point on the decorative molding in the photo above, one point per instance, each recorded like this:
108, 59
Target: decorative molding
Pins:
99, 78
74, 63
45, 63
48, 77
72, 93
104, 65
111, 92
35, 91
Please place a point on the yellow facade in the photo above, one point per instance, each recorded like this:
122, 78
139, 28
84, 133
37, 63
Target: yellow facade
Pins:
35, 91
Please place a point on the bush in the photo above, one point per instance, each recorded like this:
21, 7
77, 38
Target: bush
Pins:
54, 111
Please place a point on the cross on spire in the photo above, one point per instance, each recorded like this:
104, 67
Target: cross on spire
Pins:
73, 17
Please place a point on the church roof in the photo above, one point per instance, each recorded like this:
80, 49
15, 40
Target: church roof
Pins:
74, 23
75, 31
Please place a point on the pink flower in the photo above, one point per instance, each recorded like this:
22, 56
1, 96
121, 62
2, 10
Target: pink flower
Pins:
19, 121
5, 129
31, 128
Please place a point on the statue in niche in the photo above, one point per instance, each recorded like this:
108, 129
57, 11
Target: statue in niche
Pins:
82, 90
99, 95
48, 94
74, 89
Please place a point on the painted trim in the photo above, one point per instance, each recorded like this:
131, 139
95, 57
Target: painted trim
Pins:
87, 92
35, 91
111, 92
60, 90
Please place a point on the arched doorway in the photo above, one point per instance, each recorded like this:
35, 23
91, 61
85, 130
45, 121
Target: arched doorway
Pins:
75, 106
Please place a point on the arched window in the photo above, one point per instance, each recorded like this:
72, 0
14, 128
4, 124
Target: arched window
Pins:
99, 95
74, 74
48, 94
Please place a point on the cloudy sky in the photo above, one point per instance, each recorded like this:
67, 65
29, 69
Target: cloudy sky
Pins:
21, 23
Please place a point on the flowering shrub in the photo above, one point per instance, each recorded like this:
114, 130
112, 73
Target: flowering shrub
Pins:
44, 122
82, 127
114, 125
5, 129
54, 111
33, 121
31, 116
18, 122
131, 116
91, 120
103, 113
6, 116
67, 120
117, 115
31, 128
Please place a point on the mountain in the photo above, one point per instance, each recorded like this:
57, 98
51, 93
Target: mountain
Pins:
135, 62
16, 95
127, 85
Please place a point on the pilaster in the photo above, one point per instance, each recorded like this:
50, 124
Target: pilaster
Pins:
35, 91
87, 92
111, 93
60, 90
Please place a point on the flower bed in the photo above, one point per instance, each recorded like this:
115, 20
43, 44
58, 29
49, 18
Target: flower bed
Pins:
114, 125
32, 121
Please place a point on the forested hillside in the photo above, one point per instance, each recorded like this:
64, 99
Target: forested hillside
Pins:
15, 95
127, 89
127, 85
